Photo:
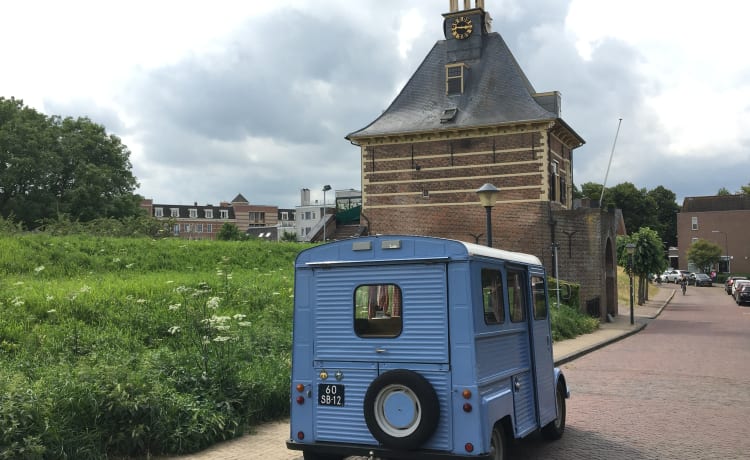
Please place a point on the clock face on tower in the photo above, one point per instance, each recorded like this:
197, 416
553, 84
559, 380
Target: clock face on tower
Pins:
461, 28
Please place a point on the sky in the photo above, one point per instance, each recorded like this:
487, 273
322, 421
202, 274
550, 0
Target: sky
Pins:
256, 97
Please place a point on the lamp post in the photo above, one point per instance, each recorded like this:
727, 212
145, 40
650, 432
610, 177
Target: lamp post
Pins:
630, 247
325, 215
726, 247
488, 197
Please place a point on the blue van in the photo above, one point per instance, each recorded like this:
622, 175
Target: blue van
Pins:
420, 347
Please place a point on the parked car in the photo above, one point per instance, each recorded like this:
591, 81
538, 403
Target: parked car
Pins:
675, 275
742, 294
730, 281
701, 279
737, 284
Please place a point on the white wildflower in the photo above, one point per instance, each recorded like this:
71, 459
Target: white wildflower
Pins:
17, 301
174, 330
175, 306
85, 288
52, 311
221, 338
116, 260
129, 265
244, 324
213, 303
141, 301
50, 298
239, 316
39, 269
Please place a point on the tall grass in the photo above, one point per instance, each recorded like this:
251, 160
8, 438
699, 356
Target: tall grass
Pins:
131, 347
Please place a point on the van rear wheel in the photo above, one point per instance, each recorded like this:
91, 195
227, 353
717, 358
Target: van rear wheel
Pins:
555, 428
401, 409
498, 443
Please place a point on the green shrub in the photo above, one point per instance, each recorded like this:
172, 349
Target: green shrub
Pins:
568, 322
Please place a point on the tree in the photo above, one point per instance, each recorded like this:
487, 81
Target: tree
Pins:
591, 190
723, 192
229, 232
50, 166
656, 209
648, 257
666, 214
704, 255
745, 189
638, 208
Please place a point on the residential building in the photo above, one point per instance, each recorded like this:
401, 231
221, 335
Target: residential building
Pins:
198, 222
307, 215
339, 211
723, 220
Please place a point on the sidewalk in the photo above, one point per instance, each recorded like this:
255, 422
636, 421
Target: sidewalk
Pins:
268, 441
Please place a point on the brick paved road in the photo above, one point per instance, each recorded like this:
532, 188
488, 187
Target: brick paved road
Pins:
680, 389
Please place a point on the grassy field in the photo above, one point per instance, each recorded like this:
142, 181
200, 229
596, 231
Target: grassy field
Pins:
125, 347
134, 346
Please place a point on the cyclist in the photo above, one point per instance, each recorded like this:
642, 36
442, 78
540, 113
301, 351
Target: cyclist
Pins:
683, 283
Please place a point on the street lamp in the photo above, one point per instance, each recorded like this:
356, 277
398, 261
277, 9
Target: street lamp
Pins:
726, 247
630, 247
487, 197
325, 215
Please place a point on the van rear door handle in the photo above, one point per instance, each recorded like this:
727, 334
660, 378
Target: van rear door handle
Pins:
380, 350
516, 384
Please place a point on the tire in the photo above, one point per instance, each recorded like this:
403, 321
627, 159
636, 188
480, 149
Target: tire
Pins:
498, 443
401, 409
555, 429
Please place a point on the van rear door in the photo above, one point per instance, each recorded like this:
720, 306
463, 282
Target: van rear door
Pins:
368, 320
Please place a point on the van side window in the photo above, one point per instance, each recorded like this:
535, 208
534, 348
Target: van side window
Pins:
492, 296
516, 297
377, 310
540, 298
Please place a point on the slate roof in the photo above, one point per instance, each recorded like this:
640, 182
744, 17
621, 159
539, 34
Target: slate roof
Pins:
716, 203
240, 199
496, 92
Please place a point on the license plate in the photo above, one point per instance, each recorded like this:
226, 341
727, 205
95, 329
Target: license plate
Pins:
330, 394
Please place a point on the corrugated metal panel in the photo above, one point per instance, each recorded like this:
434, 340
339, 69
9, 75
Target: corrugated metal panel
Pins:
524, 405
441, 440
500, 352
424, 337
345, 424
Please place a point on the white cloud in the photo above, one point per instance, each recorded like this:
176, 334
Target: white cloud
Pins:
229, 97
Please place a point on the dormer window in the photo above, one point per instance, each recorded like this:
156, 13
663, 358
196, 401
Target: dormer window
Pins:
454, 78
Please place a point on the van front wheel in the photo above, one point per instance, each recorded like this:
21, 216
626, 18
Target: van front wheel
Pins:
401, 409
555, 428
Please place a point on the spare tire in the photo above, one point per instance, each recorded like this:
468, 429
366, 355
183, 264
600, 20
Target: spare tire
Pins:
401, 409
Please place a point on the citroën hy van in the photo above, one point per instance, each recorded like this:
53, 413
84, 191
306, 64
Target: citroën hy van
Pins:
420, 347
